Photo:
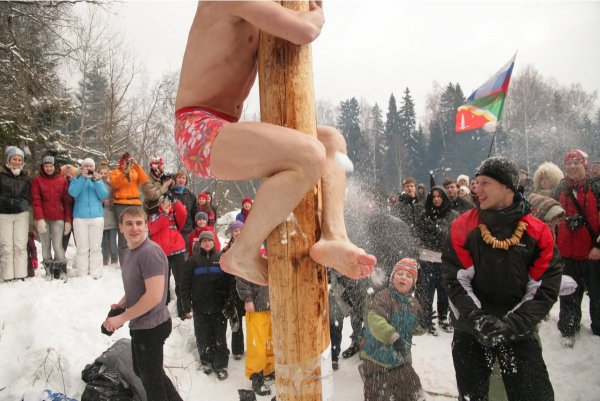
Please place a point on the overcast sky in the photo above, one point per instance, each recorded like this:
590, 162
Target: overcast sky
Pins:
371, 48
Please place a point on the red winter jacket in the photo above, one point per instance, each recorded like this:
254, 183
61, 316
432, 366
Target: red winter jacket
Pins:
50, 197
164, 229
577, 244
195, 236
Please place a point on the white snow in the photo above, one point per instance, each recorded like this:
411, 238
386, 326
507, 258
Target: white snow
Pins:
49, 331
343, 161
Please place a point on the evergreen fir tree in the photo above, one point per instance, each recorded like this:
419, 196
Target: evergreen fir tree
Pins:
390, 142
410, 147
379, 146
349, 125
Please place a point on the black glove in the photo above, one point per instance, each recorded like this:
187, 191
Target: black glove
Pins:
231, 314
111, 313
488, 329
228, 311
475, 319
398, 345
495, 328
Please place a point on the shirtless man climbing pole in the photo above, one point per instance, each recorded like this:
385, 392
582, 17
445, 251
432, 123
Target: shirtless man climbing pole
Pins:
219, 69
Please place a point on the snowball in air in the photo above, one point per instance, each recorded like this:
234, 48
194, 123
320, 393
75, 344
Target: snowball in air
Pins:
343, 161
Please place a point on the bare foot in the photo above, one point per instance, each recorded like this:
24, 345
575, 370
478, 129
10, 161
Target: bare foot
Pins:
343, 256
253, 269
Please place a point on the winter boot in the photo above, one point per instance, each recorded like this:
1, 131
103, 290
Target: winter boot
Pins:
222, 374
568, 341
445, 325
432, 330
205, 368
247, 395
352, 349
49, 268
258, 384
60, 269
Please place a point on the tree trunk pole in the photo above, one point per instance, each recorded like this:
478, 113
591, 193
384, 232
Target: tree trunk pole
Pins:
297, 285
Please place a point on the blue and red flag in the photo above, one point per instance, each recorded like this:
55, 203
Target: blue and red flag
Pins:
485, 105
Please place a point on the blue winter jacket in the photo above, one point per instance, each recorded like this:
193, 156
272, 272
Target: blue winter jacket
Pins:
88, 195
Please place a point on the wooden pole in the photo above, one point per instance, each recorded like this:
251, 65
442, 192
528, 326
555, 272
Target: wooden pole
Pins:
297, 285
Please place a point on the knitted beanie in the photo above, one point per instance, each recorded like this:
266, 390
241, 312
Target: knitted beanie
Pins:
47, 159
236, 225
206, 235
408, 264
201, 215
502, 169
247, 199
13, 151
577, 154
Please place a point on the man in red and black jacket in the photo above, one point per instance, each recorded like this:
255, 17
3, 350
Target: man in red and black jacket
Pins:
502, 275
578, 243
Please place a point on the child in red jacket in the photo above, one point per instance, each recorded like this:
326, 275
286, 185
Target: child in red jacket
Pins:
201, 223
165, 227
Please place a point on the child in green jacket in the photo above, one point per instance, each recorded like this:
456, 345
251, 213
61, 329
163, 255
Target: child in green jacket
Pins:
392, 316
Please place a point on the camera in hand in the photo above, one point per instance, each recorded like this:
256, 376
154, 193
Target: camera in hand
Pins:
166, 177
111, 313
575, 222
90, 172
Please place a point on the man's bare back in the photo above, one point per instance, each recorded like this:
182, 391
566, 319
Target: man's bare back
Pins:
219, 69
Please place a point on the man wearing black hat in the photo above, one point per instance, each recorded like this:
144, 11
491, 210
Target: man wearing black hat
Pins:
208, 294
502, 275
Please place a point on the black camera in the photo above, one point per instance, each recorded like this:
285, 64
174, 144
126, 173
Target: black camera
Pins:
575, 222
90, 172
166, 177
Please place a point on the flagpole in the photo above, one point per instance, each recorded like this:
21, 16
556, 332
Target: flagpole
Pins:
491, 144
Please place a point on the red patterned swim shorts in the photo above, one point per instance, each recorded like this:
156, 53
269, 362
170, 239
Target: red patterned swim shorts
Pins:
196, 129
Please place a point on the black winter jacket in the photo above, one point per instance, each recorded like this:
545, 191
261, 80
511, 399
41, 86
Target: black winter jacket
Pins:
191, 205
205, 287
15, 192
519, 285
433, 225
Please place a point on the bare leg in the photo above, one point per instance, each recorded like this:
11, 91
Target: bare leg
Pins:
334, 249
293, 163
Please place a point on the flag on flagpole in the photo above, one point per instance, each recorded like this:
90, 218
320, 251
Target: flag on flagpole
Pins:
484, 106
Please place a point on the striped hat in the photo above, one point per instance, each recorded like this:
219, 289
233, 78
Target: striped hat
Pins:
408, 264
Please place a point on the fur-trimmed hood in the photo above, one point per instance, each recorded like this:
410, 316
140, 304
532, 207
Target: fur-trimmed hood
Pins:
550, 170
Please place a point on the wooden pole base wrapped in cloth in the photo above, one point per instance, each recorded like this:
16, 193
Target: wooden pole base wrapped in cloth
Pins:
297, 285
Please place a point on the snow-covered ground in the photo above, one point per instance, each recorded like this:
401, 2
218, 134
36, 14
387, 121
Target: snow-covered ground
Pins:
49, 331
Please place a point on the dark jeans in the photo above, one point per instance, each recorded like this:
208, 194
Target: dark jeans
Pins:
587, 275
336, 324
430, 281
521, 365
109, 243
237, 337
176, 266
147, 354
210, 330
